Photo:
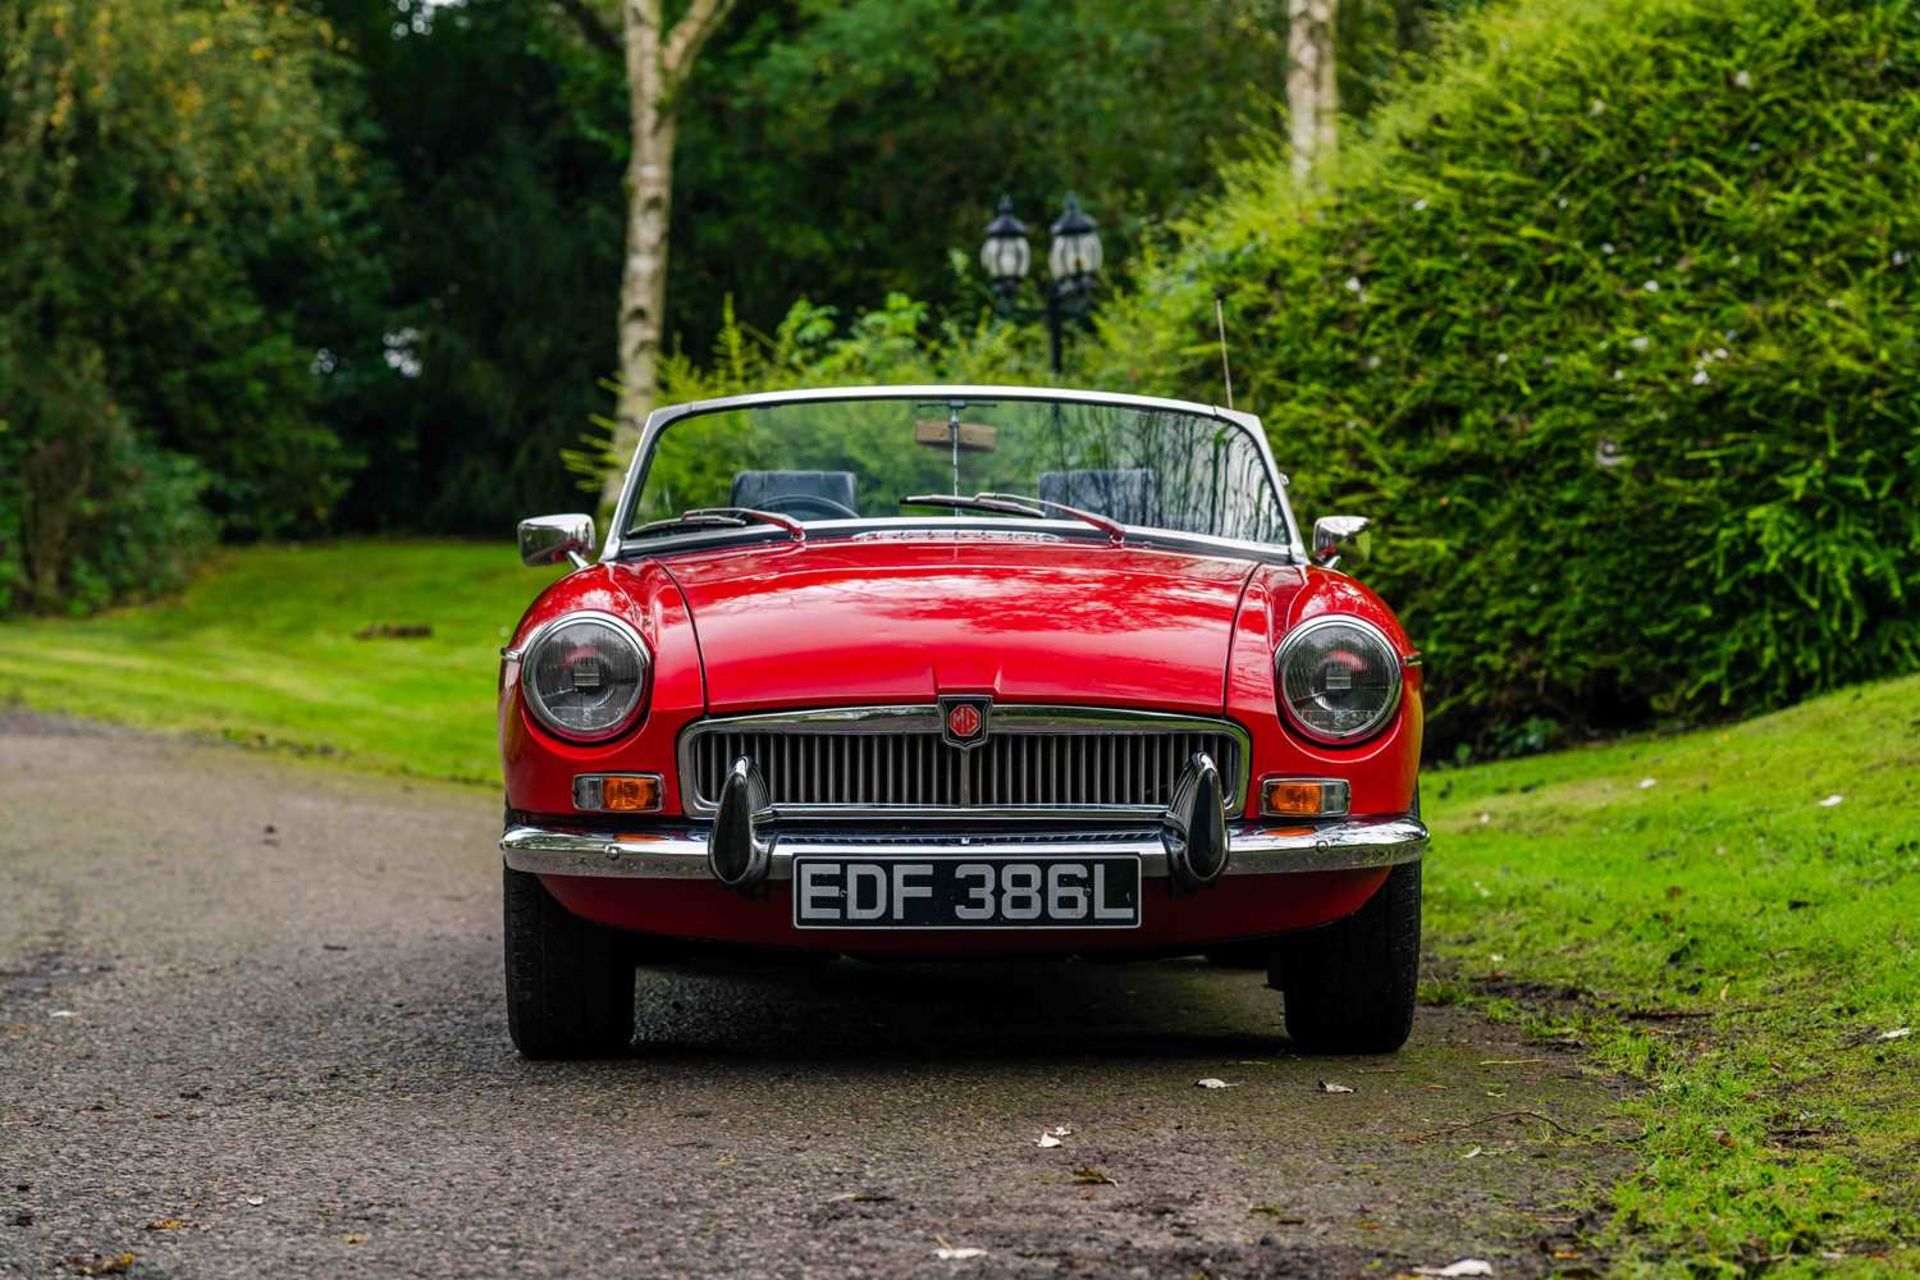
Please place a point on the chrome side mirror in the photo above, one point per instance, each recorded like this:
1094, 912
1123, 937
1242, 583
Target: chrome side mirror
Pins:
550, 539
1330, 533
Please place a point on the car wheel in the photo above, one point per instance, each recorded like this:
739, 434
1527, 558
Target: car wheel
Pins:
1350, 985
569, 982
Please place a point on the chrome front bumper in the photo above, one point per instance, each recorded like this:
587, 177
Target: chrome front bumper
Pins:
680, 852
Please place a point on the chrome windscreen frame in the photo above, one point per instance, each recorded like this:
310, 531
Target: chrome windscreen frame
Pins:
925, 718
1293, 552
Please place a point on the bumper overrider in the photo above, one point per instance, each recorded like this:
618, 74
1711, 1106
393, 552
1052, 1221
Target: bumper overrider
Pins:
744, 847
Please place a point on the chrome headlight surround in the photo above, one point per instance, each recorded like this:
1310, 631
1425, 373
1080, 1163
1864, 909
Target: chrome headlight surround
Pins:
1291, 693
603, 726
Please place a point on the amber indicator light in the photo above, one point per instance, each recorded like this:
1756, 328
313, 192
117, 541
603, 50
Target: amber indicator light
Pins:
1303, 798
617, 792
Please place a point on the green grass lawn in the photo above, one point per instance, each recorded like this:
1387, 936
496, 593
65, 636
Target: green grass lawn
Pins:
1690, 910
263, 648
1684, 908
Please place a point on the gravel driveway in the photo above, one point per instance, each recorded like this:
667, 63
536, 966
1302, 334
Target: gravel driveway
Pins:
252, 1025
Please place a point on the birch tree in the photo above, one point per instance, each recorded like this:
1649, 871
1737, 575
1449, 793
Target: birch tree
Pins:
658, 58
1313, 96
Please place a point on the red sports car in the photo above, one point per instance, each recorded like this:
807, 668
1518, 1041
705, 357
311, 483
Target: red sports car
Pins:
946, 672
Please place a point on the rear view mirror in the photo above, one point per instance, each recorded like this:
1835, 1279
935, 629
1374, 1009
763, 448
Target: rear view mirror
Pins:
550, 539
974, 437
1330, 533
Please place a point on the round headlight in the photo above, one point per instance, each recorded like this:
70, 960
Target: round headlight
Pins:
585, 676
1338, 679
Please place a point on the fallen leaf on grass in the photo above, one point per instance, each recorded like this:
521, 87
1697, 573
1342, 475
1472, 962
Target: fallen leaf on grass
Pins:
1328, 1086
1832, 800
1094, 1177
1285, 1217
1646, 784
1464, 1267
1212, 1082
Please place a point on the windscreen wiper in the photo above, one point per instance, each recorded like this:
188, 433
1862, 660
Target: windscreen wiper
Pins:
721, 517
1015, 504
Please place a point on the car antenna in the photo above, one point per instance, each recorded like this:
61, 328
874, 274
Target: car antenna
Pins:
1220, 323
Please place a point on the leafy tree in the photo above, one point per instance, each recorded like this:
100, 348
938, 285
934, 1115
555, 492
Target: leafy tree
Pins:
841, 150
168, 207
495, 132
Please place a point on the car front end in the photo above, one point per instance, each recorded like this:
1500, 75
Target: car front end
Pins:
1020, 728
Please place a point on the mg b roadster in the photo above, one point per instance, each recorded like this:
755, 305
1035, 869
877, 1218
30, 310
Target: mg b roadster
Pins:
952, 672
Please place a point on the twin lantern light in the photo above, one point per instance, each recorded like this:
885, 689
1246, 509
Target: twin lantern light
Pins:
1073, 257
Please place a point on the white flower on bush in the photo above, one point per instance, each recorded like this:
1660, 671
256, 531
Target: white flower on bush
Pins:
1638, 344
1700, 378
1742, 79
1420, 204
1651, 286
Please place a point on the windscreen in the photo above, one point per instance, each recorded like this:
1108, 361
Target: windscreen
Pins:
826, 460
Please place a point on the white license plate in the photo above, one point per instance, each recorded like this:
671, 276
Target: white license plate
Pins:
904, 892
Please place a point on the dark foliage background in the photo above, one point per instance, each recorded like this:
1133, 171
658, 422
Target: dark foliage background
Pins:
1605, 309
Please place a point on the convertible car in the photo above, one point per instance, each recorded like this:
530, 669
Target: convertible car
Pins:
958, 672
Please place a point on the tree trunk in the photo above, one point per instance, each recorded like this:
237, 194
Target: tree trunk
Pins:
643, 273
657, 63
1313, 95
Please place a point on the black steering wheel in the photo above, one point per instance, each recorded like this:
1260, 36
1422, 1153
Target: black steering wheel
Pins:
808, 504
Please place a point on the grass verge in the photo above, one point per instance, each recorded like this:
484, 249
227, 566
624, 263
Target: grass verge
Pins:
1701, 913
1685, 908
267, 647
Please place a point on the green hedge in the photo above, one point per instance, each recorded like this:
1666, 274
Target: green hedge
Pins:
1611, 326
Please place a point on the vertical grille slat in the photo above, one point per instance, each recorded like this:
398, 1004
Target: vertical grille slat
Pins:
1013, 769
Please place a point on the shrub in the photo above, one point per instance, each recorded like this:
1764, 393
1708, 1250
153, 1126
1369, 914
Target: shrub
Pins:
1611, 324
88, 513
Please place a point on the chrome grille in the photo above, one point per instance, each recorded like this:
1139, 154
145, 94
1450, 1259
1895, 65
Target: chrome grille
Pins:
1033, 759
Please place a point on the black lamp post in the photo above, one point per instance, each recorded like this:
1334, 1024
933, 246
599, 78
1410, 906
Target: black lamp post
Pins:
1073, 260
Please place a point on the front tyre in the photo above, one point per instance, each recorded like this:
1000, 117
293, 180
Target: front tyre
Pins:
1350, 985
569, 984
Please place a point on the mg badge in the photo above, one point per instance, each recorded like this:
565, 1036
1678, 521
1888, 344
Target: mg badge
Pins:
963, 720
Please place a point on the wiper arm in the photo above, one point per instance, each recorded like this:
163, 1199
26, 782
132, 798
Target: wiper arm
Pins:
721, 517
1106, 524
978, 502
1019, 505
